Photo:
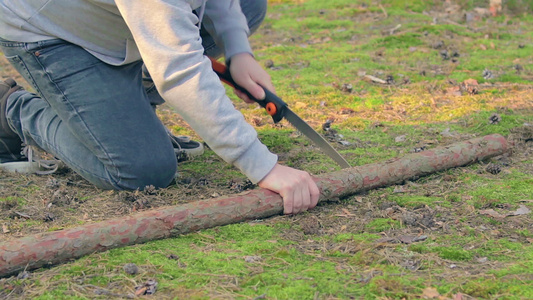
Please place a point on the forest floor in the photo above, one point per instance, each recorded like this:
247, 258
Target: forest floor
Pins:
390, 78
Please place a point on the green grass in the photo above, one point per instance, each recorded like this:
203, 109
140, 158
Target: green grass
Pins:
382, 224
318, 46
11, 201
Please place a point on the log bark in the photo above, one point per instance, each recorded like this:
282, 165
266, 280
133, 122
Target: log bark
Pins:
51, 248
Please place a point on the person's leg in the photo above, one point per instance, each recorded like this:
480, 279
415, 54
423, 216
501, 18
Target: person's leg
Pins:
255, 12
94, 117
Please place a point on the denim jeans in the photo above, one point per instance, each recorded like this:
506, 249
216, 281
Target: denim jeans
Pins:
96, 117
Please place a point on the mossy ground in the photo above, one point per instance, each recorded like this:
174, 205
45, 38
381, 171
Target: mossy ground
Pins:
360, 247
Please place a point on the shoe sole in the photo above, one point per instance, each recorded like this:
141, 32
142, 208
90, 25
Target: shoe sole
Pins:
192, 152
21, 167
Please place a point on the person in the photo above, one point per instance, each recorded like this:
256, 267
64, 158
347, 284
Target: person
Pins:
91, 110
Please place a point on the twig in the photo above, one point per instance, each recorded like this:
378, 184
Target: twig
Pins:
391, 32
23, 215
375, 79
384, 11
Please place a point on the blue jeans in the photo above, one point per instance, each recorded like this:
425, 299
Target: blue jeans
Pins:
95, 117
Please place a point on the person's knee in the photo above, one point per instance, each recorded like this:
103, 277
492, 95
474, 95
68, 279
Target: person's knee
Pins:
157, 171
255, 12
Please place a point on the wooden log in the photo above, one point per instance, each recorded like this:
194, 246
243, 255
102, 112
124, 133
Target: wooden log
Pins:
51, 248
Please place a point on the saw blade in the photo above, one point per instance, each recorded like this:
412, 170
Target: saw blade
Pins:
314, 136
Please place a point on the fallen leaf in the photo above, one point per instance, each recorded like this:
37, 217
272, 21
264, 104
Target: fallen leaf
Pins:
400, 138
454, 91
471, 81
523, 210
386, 240
458, 296
470, 86
147, 288
399, 189
491, 212
495, 7
347, 212
347, 88
409, 239
5, 229
256, 121
252, 258
430, 293
346, 111
140, 291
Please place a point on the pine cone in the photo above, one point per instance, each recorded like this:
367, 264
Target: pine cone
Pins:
495, 119
494, 169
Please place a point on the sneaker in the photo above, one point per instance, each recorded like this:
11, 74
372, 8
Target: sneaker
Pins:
13, 156
10, 142
184, 147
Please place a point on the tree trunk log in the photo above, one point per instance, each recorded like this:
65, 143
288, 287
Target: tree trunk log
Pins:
51, 248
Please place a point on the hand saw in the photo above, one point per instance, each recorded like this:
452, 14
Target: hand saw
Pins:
279, 110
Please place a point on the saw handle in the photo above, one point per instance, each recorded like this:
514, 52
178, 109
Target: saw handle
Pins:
273, 104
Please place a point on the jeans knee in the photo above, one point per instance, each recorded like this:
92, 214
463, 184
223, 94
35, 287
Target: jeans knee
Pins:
158, 171
255, 12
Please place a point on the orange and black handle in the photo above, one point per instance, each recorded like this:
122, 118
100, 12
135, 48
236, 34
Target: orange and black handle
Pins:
274, 106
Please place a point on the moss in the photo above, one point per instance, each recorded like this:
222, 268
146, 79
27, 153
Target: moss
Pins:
415, 5
382, 224
399, 41
485, 288
11, 202
507, 188
317, 46
361, 237
453, 253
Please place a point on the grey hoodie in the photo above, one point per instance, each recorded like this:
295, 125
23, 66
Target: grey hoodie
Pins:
164, 34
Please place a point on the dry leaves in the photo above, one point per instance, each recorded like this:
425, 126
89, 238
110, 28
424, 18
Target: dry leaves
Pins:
148, 288
522, 210
471, 86
430, 293
405, 239
346, 213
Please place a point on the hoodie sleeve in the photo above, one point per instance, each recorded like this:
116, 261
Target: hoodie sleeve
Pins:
169, 42
225, 22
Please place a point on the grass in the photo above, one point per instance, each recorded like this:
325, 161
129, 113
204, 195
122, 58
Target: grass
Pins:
334, 251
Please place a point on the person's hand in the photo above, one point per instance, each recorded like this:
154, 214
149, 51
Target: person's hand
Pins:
297, 188
247, 73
